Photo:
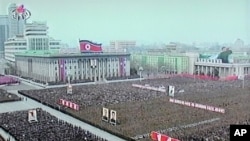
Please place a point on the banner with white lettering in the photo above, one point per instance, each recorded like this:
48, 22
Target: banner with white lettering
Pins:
197, 105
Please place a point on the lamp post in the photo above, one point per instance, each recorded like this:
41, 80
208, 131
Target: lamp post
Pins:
140, 70
69, 87
164, 69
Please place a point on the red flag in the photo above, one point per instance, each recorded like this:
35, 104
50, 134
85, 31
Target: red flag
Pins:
88, 46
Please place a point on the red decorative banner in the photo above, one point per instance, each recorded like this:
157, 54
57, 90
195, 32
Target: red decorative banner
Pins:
155, 136
69, 104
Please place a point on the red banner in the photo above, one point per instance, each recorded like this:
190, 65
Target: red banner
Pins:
69, 104
155, 136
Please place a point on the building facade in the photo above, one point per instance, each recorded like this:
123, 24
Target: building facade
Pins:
35, 38
14, 45
122, 44
4, 33
47, 67
206, 66
157, 62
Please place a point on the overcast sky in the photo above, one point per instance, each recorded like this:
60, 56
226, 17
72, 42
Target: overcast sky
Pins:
143, 20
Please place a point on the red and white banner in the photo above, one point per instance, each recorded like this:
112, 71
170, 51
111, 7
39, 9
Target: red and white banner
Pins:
69, 104
197, 105
149, 88
155, 136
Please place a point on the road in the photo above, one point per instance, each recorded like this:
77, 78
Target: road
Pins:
30, 104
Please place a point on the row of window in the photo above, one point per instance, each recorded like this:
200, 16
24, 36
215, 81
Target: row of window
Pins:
54, 43
74, 61
15, 44
84, 66
79, 73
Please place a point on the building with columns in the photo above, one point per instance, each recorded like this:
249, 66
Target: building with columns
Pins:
236, 68
57, 67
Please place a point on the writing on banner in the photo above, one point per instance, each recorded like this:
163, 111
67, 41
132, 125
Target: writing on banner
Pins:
69, 104
197, 105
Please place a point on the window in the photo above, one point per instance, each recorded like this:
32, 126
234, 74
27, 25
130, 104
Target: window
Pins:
55, 68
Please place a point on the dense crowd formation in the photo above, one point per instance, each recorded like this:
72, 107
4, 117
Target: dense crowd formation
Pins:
47, 128
6, 97
141, 111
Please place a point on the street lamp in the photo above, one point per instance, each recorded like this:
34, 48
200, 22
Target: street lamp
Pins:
140, 70
164, 69
69, 87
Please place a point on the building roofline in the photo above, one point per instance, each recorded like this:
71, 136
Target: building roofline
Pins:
57, 55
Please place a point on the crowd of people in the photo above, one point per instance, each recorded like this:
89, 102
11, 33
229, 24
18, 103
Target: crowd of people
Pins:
47, 128
6, 97
137, 106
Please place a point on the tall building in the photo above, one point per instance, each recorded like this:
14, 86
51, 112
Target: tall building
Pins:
16, 27
4, 32
35, 38
120, 45
36, 35
13, 46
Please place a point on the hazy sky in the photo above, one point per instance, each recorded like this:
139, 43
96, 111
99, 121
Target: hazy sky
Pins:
143, 20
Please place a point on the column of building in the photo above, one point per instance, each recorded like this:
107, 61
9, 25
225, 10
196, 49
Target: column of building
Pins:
34, 68
127, 66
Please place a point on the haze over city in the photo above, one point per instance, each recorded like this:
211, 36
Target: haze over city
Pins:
145, 21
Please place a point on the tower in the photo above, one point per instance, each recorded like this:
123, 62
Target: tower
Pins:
16, 27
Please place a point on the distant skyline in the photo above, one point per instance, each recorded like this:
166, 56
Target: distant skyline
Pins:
146, 21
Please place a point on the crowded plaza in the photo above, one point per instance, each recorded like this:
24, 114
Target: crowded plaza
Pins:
140, 111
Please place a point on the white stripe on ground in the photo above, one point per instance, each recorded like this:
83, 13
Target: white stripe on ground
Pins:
177, 128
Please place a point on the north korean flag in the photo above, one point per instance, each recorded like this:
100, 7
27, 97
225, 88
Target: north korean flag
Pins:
88, 46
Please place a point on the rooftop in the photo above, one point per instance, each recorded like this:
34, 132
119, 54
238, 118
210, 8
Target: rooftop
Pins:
50, 53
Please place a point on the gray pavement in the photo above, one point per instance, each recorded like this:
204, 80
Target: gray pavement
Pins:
30, 104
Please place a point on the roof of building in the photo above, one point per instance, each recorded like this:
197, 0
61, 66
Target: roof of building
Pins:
56, 54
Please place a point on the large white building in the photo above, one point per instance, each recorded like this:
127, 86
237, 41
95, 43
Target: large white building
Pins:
48, 67
35, 38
